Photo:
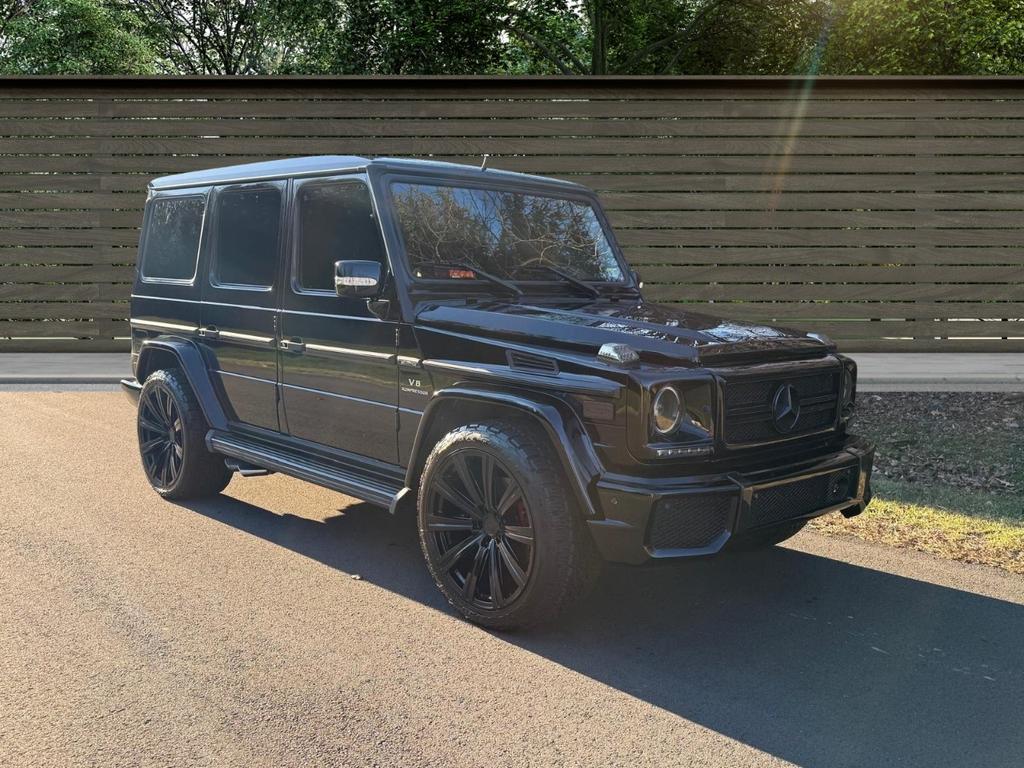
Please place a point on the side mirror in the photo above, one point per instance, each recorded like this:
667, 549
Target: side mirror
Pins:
358, 279
636, 278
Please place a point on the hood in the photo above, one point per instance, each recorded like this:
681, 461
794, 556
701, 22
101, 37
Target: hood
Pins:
661, 333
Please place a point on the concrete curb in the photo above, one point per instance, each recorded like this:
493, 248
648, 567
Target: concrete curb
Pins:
44, 368
940, 372
57, 379
940, 386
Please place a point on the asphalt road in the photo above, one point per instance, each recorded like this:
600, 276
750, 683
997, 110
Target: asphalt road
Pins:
139, 632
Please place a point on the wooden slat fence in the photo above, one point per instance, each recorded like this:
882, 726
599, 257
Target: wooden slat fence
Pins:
885, 212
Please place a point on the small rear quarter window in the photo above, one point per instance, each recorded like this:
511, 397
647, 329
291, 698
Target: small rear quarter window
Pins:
171, 245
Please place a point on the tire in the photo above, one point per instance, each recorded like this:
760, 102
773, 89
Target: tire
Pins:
768, 537
526, 510
172, 440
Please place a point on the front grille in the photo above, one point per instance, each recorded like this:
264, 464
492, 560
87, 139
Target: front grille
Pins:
782, 502
691, 521
749, 416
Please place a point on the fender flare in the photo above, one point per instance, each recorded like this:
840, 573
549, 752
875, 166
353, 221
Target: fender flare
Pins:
562, 426
191, 361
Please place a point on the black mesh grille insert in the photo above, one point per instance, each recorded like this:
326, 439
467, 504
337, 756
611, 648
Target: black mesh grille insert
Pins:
763, 429
748, 406
684, 522
781, 502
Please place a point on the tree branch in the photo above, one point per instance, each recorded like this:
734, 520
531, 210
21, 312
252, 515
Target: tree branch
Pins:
680, 35
545, 49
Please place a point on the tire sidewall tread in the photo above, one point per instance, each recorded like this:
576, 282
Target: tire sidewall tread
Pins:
203, 473
565, 563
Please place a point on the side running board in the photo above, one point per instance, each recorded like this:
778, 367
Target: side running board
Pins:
349, 481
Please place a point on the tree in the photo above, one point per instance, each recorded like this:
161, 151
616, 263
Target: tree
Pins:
307, 37
768, 37
665, 36
207, 36
236, 37
636, 37
11, 10
420, 37
926, 37
70, 37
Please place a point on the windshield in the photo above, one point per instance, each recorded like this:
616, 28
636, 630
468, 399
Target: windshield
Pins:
449, 231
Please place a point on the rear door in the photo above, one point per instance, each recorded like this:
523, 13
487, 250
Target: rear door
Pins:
240, 306
338, 362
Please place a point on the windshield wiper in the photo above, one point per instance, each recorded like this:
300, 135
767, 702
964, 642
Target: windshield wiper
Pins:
512, 288
575, 282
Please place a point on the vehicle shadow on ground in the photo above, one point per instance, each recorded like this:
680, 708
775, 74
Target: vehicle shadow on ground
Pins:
812, 660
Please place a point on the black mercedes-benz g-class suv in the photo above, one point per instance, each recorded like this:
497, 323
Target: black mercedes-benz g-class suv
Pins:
472, 344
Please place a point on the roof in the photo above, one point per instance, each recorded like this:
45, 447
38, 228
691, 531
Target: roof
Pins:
270, 169
326, 164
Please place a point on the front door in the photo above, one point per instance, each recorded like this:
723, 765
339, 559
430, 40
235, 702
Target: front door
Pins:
338, 361
238, 316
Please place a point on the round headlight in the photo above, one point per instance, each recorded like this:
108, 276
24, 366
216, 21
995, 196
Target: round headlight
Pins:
666, 411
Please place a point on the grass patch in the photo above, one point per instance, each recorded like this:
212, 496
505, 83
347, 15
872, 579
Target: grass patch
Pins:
973, 441
949, 476
968, 526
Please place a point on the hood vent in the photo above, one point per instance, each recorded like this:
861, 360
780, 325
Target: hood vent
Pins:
524, 361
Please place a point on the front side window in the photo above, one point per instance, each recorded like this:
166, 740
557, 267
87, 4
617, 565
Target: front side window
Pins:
171, 245
336, 222
512, 235
246, 222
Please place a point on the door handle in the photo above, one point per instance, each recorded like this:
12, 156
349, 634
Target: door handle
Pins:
298, 346
210, 332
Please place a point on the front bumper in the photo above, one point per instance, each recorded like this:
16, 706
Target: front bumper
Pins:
132, 388
657, 518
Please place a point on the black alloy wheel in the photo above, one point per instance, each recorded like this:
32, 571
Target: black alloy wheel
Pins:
480, 533
172, 440
161, 436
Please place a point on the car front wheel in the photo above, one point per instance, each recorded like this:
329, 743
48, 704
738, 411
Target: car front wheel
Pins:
499, 527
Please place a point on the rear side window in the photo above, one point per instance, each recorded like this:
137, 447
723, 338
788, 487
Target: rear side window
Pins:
246, 221
336, 222
171, 246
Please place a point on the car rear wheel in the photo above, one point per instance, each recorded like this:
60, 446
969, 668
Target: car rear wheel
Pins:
499, 527
172, 433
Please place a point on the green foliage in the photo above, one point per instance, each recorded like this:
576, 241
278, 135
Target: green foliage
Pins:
545, 37
454, 37
220, 37
459, 37
773, 37
741, 37
636, 37
70, 37
926, 37
306, 37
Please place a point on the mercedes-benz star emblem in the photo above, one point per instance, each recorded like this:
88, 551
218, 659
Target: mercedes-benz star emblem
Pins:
786, 407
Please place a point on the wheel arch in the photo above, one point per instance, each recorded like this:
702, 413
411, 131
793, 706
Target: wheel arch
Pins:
157, 354
450, 408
